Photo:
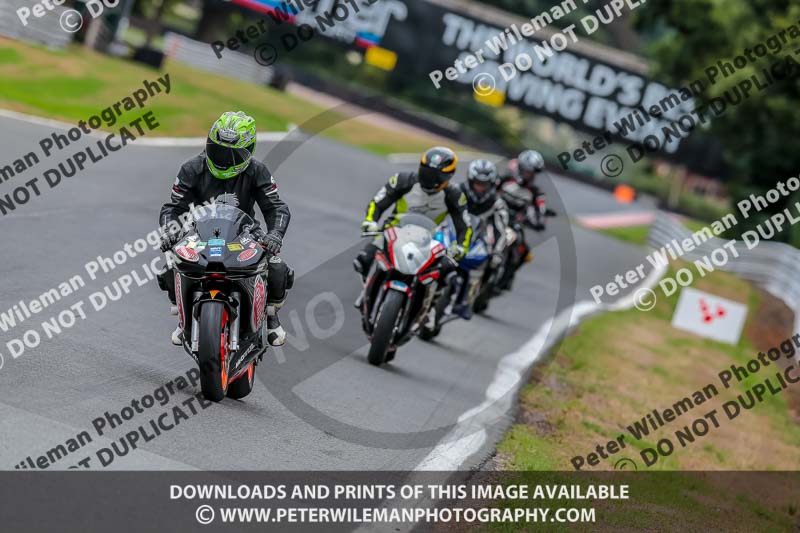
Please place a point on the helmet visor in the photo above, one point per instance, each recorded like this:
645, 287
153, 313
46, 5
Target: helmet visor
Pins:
481, 188
224, 157
480, 191
430, 179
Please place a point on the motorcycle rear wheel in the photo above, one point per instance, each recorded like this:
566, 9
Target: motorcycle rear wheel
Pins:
384, 327
213, 350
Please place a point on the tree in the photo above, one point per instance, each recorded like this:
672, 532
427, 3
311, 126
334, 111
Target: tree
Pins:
213, 22
760, 134
153, 12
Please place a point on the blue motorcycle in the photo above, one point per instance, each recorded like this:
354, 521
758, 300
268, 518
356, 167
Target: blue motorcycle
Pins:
463, 283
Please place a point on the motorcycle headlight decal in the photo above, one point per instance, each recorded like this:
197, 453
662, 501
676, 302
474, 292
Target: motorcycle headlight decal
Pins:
259, 302
246, 255
179, 299
187, 254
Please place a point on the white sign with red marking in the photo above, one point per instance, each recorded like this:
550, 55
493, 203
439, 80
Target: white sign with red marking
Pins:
709, 316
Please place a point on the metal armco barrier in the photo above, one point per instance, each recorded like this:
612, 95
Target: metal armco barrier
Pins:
771, 265
200, 55
43, 30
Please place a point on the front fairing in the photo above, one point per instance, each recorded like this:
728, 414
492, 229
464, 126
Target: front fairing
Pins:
411, 249
478, 250
219, 240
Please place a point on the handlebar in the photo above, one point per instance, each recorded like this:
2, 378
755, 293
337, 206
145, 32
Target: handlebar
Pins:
452, 261
365, 234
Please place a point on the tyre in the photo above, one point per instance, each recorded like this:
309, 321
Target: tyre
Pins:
384, 327
243, 384
427, 333
213, 351
482, 300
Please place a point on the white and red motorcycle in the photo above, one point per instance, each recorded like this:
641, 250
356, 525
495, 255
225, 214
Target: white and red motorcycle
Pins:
401, 285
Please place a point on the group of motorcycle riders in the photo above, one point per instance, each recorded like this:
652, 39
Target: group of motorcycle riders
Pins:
227, 173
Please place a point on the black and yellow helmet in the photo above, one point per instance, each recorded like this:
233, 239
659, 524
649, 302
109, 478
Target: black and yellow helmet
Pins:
436, 168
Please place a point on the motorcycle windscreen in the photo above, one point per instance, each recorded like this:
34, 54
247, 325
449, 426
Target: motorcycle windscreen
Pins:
220, 221
411, 249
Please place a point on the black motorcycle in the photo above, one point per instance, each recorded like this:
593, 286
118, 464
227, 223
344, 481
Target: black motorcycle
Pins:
519, 201
221, 292
495, 269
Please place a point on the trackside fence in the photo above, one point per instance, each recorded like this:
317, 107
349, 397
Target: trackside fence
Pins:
40, 30
771, 265
199, 55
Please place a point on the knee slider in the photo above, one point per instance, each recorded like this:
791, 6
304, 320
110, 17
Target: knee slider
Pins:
289, 278
279, 280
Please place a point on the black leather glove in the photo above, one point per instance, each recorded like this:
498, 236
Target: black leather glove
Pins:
272, 242
368, 226
168, 240
534, 219
456, 252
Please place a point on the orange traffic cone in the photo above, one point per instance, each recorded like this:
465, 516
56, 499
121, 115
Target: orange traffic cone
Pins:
624, 194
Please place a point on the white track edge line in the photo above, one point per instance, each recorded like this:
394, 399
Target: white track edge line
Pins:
461, 443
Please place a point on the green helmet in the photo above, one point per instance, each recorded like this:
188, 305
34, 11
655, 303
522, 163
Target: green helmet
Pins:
230, 145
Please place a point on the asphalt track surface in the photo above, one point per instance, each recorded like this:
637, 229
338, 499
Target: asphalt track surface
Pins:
343, 414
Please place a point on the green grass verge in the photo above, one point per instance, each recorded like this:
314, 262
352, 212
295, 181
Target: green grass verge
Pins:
638, 234
631, 234
76, 83
619, 366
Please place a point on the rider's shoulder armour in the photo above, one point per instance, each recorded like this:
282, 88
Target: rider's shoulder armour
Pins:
403, 181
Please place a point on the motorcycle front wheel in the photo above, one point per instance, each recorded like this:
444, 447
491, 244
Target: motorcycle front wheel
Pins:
243, 384
384, 327
213, 351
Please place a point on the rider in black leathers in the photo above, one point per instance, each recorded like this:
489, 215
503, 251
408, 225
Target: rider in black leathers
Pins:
527, 207
427, 192
485, 204
229, 175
